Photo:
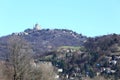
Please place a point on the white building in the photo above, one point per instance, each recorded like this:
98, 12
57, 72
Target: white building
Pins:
60, 70
37, 27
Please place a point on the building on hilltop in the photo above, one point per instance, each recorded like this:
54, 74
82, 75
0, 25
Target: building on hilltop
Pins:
37, 27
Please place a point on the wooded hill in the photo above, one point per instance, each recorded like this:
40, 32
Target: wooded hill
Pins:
79, 56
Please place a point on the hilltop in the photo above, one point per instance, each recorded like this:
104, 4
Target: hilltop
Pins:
77, 55
45, 40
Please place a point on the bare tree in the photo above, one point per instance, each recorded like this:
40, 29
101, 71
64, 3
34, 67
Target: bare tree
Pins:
18, 66
19, 58
43, 71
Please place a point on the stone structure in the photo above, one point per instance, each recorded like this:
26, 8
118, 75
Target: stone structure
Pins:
37, 27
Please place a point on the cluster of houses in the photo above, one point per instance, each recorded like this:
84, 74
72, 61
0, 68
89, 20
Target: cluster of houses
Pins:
111, 62
110, 69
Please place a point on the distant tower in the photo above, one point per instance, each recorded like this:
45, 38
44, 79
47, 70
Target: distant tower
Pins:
37, 27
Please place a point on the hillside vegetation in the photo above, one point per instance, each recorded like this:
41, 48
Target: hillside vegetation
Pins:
73, 56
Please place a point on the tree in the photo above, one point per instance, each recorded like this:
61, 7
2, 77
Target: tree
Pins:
19, 57
44, 71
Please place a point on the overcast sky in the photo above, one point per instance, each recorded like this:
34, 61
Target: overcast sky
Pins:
89, 17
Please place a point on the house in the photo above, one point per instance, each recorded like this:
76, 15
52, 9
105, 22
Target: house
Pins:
60, 70
113, 71
109, 70
117, 57
114, 62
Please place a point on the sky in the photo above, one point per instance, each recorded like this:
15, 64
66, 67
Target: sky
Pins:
87, 17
